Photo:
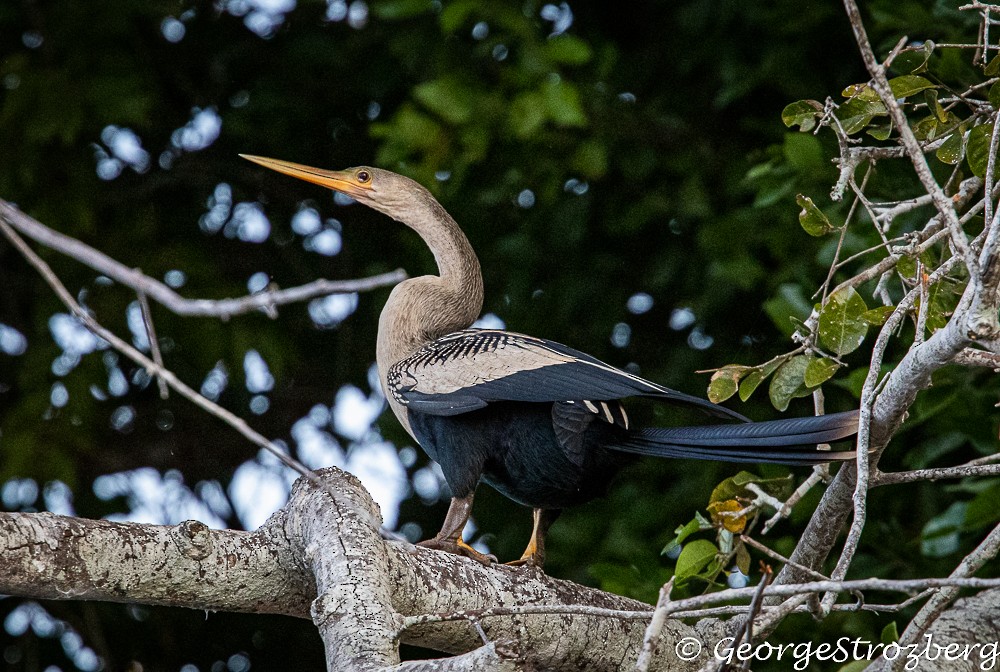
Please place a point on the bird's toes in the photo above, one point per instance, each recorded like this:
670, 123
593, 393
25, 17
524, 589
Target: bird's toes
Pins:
533, 561
458, 547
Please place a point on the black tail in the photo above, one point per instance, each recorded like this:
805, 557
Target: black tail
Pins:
791, 441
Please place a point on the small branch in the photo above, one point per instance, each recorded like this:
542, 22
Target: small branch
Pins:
231, 419
973, 357
755, 605
164, 295
652, 637
683, 606
859, 498
986, 551
820, 473
961, 471
750, 541
154, 343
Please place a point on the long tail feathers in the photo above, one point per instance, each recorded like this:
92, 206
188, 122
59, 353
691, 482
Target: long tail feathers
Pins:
792, 441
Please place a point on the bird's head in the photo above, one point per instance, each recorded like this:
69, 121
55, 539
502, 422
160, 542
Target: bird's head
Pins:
382, 190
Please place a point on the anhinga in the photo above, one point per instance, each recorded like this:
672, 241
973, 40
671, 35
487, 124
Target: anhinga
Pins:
540, 422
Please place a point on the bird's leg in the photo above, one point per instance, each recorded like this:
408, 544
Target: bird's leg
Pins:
534, 554
449, 539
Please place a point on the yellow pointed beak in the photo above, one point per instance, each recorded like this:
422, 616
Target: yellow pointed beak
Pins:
343, 181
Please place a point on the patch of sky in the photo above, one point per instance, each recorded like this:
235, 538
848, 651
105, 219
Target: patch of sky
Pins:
215, 382
640, 303
12, 341
248, 223
159, 499
258, 375
329, 311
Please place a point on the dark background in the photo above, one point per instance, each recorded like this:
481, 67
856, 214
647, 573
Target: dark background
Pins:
649, 137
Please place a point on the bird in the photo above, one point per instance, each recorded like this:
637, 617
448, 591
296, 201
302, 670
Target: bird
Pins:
540, 422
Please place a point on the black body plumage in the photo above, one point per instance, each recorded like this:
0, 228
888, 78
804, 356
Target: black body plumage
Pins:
544, 424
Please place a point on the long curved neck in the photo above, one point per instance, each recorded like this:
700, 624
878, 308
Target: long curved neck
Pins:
422, 309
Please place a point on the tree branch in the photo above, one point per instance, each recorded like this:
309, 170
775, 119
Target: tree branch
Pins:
167, 297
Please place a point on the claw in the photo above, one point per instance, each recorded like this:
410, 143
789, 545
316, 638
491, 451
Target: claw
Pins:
458, 547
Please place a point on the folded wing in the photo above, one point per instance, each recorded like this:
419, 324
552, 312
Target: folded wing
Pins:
469, 369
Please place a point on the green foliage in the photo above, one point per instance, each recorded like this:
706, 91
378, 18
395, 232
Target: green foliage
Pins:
789, 381
842, 323
812, 219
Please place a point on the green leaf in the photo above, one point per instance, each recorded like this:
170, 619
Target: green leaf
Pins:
860, 92
725, 382
890, 634
994, 96
940, 536
447, 98
591, 159
992, 68
857, 113
877, 316
819, 371
907, 85
982, 510
753, 379
802, 113
812, 218
907, 266
720, 389
805, 153
734, 486
841, 325
789, 382
950, 151
915, 61
977, 152
562, 103
933, 104
527, 114
454, 15
750, 383
694, 558
568, 49
880, 132
696, 524
742, 557
788, 305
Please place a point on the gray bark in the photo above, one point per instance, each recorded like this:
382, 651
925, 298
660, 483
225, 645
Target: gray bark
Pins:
323, 558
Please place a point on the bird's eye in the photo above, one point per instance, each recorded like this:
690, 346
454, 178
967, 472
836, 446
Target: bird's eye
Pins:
364, 176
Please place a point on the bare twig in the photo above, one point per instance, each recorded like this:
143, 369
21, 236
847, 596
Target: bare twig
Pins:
755, 605
750, 541
152, 367
676, 607
655, 628
986, 551
154, 343
164, 295
973, 357
864, 441
820, 473
969, 470
912, 146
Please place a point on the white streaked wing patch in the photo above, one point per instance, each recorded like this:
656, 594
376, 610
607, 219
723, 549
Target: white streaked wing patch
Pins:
474, 356
465, 359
